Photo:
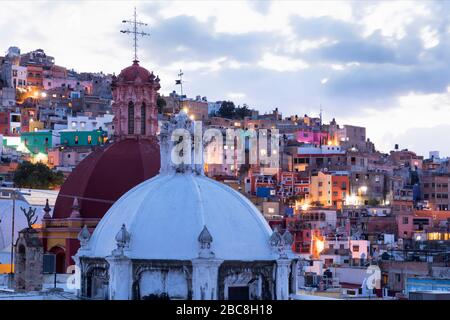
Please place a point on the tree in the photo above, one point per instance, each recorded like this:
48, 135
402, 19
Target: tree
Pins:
160, 103
227, 110
242, 112
36, 176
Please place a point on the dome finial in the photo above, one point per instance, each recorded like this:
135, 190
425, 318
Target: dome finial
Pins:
205, 239
47, 210
281, 243
84, 236
75, 209
123, 238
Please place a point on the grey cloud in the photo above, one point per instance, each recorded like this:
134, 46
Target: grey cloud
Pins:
200, 42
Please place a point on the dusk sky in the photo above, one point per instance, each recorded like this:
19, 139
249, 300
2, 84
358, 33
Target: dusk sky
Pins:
382, 65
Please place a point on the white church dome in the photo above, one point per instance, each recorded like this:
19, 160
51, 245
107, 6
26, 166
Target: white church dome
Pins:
166, 214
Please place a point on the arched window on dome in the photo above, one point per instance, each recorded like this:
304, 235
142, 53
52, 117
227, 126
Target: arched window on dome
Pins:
130, 117
143, 113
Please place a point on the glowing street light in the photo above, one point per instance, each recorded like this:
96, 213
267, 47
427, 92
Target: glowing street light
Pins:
363, 189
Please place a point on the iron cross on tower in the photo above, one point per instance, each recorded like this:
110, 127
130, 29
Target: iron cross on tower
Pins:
135, 24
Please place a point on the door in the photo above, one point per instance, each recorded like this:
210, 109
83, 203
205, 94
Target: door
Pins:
238, 293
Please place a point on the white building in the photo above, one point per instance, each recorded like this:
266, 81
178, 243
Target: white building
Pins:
181, 235
358, 250
85, 123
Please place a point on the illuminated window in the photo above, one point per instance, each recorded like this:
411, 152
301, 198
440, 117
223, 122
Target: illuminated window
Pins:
76, 139
89, 139
143, 115
130, 117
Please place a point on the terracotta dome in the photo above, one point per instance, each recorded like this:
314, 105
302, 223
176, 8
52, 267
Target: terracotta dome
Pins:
135, 71
105, 175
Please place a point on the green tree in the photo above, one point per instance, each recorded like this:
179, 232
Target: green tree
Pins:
37, 176
227, 110
242, 112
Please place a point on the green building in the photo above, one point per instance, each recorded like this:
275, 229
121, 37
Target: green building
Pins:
83, 138
41, 141
38, 141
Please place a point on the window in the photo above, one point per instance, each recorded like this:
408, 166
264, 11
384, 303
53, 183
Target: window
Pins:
398, 277
143, 118
405, 220
76, 139
89, 139
355, 248
130, 117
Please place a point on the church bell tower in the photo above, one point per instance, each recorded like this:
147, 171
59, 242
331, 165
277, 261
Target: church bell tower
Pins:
135, 92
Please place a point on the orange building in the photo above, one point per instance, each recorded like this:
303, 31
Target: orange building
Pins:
330, 189
35, 76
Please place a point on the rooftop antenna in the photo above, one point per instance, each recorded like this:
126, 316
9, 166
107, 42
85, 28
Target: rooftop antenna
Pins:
135, 24
179, 82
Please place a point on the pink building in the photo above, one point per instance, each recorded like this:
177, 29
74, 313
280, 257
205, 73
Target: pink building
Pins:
309, 136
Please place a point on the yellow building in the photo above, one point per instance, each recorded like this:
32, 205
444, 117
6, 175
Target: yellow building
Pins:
330, 189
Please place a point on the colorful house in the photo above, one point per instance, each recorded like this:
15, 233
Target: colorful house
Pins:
83, 138
38, 141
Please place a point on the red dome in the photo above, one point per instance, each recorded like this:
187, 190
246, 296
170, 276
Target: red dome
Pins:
134, 72
105, 175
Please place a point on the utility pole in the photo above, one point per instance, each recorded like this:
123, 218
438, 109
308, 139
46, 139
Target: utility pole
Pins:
179, 82
135, 32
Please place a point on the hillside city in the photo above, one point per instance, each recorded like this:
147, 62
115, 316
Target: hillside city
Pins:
348, 206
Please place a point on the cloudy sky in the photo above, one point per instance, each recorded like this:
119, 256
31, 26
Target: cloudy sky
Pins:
382, 65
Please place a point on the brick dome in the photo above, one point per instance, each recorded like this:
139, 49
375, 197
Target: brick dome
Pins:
105, 175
